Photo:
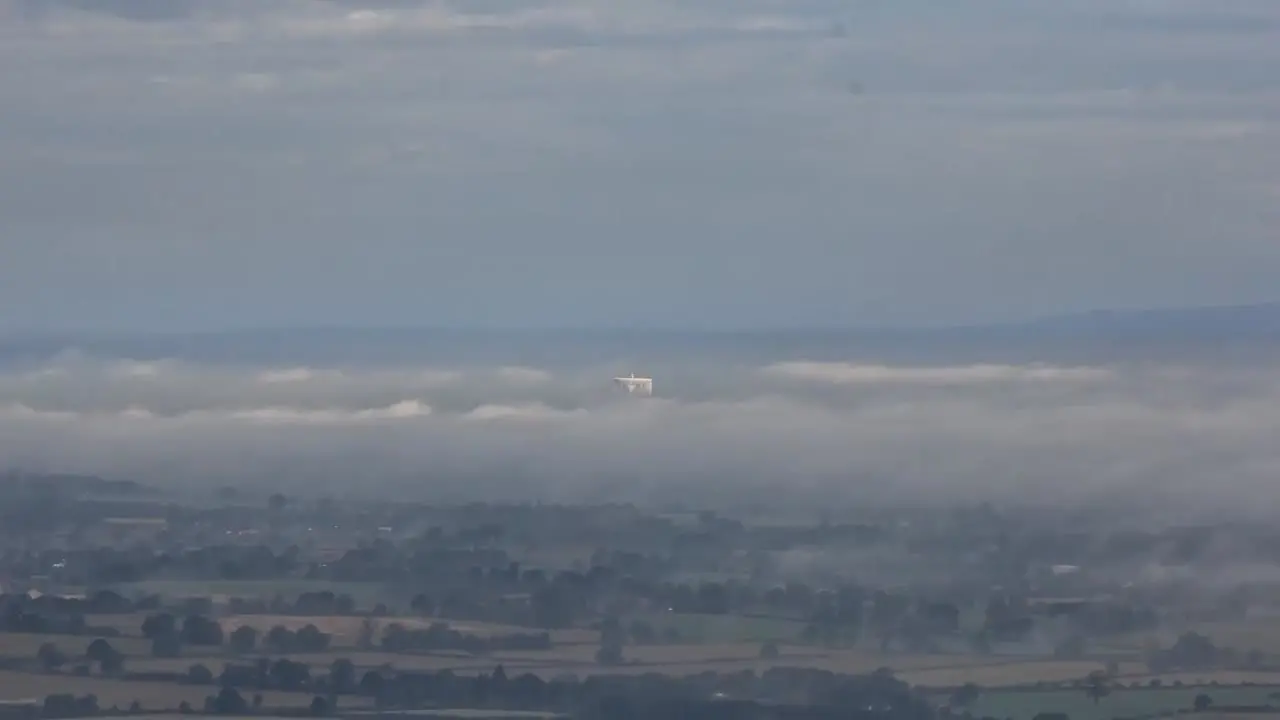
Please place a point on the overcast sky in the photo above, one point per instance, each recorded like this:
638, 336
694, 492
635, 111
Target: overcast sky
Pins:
202, 164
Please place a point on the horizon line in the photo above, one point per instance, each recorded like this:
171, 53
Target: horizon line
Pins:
1030, 321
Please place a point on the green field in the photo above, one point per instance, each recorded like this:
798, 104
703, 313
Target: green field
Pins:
709, 643
120, 693
365, 594
723, 628
1023, 705
464, 714
24, 645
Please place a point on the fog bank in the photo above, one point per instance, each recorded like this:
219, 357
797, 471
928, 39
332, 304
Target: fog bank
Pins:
847, 431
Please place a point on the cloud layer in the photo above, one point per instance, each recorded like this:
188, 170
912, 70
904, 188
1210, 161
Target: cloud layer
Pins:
828, 432
183, 163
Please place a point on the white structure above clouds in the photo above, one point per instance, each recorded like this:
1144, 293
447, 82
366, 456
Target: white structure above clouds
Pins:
635, 385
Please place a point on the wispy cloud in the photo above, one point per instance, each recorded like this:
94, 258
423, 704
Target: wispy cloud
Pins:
1002, 432
846, 373
811, 162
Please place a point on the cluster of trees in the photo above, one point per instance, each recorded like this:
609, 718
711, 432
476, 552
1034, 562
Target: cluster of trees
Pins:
229, 701
66, 705
99, 652
596, 696
56, 615
1191, 651
439, 636
168, 636
314, 603
472, 577
833, 617
103, 602
306, 639
616, 696
281, 674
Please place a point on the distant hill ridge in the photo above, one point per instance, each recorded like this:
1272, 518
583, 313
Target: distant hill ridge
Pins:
1219, 333
1262, 317
77, 485
1251, 317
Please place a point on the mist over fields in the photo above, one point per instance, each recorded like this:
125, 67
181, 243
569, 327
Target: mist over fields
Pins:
816, 417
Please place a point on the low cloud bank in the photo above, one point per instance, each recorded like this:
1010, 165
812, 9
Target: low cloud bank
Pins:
969, 374
843, 431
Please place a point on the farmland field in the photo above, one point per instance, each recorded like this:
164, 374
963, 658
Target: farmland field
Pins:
461, 714
1003, 672
26, 645
714, 643
1023, 705
346, 629
723, 628
151, 695
1255, 633
365, 594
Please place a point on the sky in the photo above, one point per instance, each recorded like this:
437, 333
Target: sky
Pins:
208, 164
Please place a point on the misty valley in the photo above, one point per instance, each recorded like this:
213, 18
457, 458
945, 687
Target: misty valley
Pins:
640, 359
774, 537
124, 598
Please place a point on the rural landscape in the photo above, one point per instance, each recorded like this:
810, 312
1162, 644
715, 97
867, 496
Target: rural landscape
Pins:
640, 359
121, 599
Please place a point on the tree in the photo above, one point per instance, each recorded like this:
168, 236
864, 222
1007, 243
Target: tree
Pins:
280, 639
167, 646
244, 639
365, 640
342, 675
319, 707
344, 604
612, 640
290, 675
965, 696
109, 602
50, 657
112, 663
1202, 702
98, 649
980, 642
769, 651
199, 675
372, 684
229, 702
310, 639
422, 604
276, 503
643, 633
1097, 686
1193, 651
552, 608
66, 705
200, 630
158, 625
